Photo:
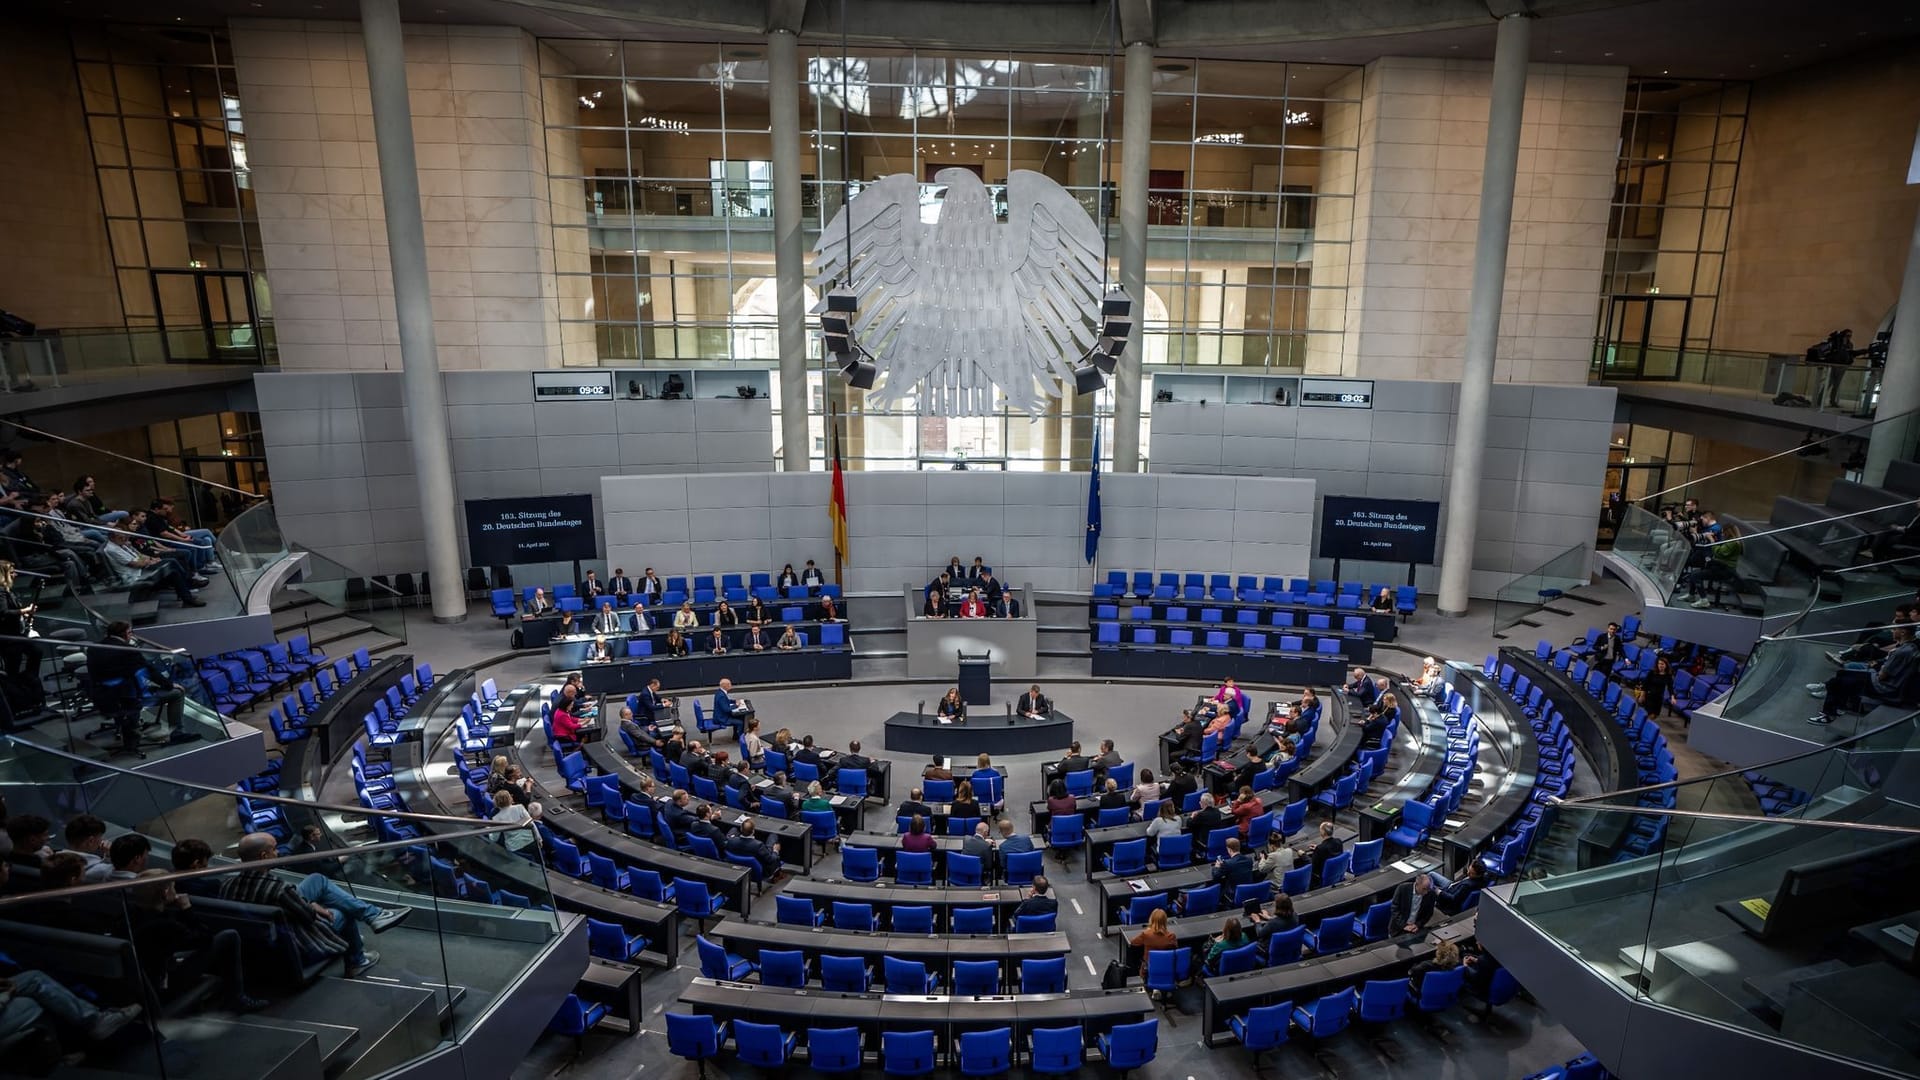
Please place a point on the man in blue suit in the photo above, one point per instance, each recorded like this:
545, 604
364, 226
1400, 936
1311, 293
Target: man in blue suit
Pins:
725, 708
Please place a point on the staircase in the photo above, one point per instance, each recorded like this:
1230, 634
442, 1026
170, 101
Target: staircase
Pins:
328, 628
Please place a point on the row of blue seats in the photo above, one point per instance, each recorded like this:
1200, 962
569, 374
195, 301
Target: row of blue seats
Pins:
1249, 588
700, 1038
1106, 635
790, 969
1584, 1067
289, 719
1775, 797
568, 598
1506, 851
239, 679
1375, 1001
1422, 814
1248, 617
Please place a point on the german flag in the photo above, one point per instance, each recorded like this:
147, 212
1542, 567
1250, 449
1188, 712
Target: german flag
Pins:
837, 505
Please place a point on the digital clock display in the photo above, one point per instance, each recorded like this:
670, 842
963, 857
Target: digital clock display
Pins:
1336, 393
572, 386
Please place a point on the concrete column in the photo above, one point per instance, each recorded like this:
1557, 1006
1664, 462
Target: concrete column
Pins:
789, 246
1483, 314
1900, 380
1136, 151
413, 302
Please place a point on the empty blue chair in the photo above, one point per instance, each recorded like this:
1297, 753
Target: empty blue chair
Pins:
1034, 924
1129, 1046
1334, 933
1173, 851
938, 791
858, 863
973, 920
976, 978
1285, 946
1055, 1050
826, 826
1262, 1029
609, 941
783, 967
1113, 815
1203, 900
912, 919
1168, 968
1048, 976
1022, 866
795, 911
1180, 639
764, 1045
1140, 907
1416, 818
964, 870
695, 1037
1065, 832
986, 1053
605, 873
695, 899
1334, 870
848, 915
1382, 1001
717, 963
1366, 856
908, 976
1235, 961
1127, 857
835, 1050
1439, 990
906, 1053
574, 1016
844, 974
913, 868
1079, 783
1373, 923
1327, 1016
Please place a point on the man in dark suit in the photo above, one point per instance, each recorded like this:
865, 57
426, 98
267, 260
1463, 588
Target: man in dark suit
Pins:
807, 754
740, 780
703, 825
812, 578
651, 584
1108, 756
993, 594
1453, 899
1204, 821
620, 585
1039, 901
978, 569
854, 759
1413, 904
679, 813
747, 842
1189, 731
1073, 760
980, 845
591, 588
1234, 870
1607, 648
1182, 785
1328, 846
1033, 704
653, 706
914, 805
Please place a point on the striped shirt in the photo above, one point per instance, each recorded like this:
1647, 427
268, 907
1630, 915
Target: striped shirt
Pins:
315, 938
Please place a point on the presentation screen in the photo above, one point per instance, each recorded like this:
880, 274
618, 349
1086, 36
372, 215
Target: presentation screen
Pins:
1382, 530
544, 528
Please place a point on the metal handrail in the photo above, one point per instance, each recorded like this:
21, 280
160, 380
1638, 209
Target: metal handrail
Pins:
1753, 819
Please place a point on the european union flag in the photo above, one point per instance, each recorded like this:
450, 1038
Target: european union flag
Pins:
1093, 499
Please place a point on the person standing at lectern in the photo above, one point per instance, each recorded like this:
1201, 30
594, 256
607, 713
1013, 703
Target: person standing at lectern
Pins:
1034, 705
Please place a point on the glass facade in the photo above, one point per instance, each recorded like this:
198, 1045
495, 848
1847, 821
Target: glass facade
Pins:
1667, 235
674, 144
169, 147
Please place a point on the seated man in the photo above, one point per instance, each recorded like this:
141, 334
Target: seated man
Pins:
1413, 903
30, 998
812, 578
1187, 733
653, 707
325, 918
914, 806
1235, 870
606, 620
726, 708
704, 826
1033, 704
747, 842
717, 645
1891, 678
1039, 899
130, 568
196, 544
1456, 895
1360, 686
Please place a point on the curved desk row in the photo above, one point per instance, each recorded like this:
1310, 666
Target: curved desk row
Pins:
1096, 1012
888, 845
1117, 890
570, 651
1522, 750
937, 951
1383, 627
1197, 664
699, 670
1607, 749
502, 869
793, 838
1420, 718
542, 629
983, 732
884, 897
1308, 980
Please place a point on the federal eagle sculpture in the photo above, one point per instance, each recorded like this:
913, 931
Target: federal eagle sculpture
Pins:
952, 309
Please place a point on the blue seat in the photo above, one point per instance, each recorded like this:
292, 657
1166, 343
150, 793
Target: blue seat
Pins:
1366, 856
1035, 924
605, 873
826, 826
1262, 1029
1285, 946
973, 920
844, 974
1334, 870
908, 976
1129, 1046
609, 941
1079, 783
848, 915
911, 918
907, 1053
1140, 907
764, 1045
783, 967
1043, 976
1382, 1001
1065, 832
1113, 815
1022, 866
1416, 818
913, 868
835, 1050
1235, 961
1168, 968
858, 863
986, 1053
717, 963
1327, 1016
1373, 923
1334, 933
695, 899
1173, 851
504, 605
1055, 1050
695, 1037
1438, 989
1127, 857
964, 870
574, 1017
1202, 900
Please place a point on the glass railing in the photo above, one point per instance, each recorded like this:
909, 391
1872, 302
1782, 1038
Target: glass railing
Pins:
232, 944
1848, 390
113, 700
86, 354
253, 542
1540, 586
1730, 916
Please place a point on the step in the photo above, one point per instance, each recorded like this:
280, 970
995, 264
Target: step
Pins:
396, 1022
206, 1048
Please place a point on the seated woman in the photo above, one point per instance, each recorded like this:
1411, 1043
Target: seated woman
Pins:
935, 607
1429, 683
1231, 936
1168, 821
1145, 788
685, 619
964, 805
787, 579
917, 837
1383, 601
951, 707
789, 640
1059, 802
829, 612
816, 798
676, 643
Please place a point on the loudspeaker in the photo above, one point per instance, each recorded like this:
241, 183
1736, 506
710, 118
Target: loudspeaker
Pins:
1087, 379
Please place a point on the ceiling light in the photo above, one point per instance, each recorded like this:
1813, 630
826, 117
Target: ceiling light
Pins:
1222, 138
